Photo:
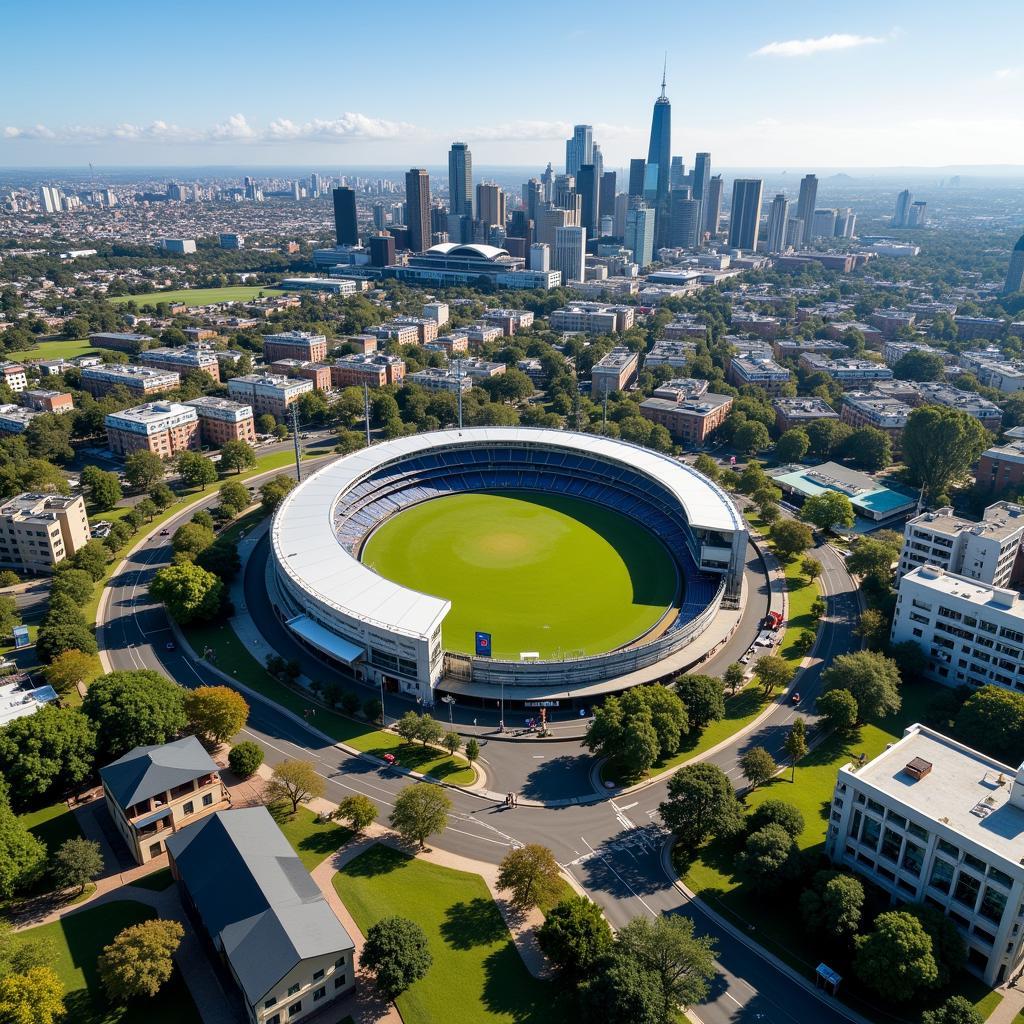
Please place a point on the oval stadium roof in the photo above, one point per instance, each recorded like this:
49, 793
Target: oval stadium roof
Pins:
487, 252
307, 549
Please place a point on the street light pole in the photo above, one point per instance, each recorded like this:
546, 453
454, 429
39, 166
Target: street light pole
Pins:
383, 717
501, 717
449, 700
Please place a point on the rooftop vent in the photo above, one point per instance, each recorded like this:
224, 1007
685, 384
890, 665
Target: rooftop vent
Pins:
918, 768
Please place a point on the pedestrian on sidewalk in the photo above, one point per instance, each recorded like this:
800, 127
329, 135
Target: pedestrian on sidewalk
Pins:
515, 799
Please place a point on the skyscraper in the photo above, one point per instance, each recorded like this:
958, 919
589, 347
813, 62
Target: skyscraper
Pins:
805, 203
569, 255
597, 159
345, 227
547, 180
918, 216
621, 208
659, 159
637, 173
713, 205
490, 204
824, 224
606, 197
701, 175
745, 214
587, 188
902, 214
382, 251
533, 196
417, 208
540, 256
684, 219
778, 219
380, 216
639, 235
579, 150
677, 177
460, 180
1015, 272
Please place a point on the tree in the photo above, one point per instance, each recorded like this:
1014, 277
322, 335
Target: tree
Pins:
869, 448
872, 678
770, 857
452, 742
35, 997
118, 538
472, 750
734, 677
140, 960
530, 873
408, 726
752, 479
792, 445
161, 495
293, 782
9, 578
359, 811
704, 697
575, 937
833, 905
751, 437
948, 946
429, 730
919, 365
196, 470
76, 863
265, 423
9, 616
701, 802
189, 592
92, 557
777, 812
274, 490
840, 710
221, 558
810, 567
192, 538
76, 584
103, 487
147, 508
828, 510
826, 435
683, 962
939, 446
623, 992
22, 856
234, 497
707, 466
236, 455
420, 811
790, 538
895, 959
143, 469
955, 1010
47, 753
67, 670
772, 672
796, 743
216, 713
134, 709
245, 757
63, 629
396, 953
992, 720
758, 766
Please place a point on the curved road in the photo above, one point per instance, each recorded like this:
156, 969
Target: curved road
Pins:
612, 848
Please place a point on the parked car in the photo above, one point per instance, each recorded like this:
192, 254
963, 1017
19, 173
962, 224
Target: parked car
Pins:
170, 646
794, 697
391, 759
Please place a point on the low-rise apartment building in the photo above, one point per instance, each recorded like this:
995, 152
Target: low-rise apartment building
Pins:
987, 413
847, 372
152, 792
481, 334
426, 327
452, 343
674, 354
14, 376
894, 351
480, 369
986, 551
688, 419
970, 327
680, 388
120, 341
761, 371
509, 320
396, 333
164, 428
798, 412
318, 373
222, 420
304, 345
592, 318
1002, 466
756, 324
14, 419
890, 321
872, 409
614, 372
193, 358
268, 392
39, 530
970, 633
375, 369
42, 400
794, 348
140, 380
436, 378
932, 821
685, 325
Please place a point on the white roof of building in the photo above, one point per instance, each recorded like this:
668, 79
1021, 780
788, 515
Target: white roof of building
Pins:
306, 546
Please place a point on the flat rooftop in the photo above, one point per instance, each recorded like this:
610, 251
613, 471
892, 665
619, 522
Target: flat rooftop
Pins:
981, 595
962, 790
1000, 521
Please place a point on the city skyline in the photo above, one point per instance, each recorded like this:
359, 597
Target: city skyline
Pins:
816, 86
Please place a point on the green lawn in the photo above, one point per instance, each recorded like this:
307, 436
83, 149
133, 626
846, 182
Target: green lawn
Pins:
52, 825
477, 974
200, 296
61, 348
77, 941
549, 573
712, 871
313, 842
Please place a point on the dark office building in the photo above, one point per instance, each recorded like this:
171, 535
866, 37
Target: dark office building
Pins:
684, 219
587, 187
745, 214
345, 227
637, 173
417, 208
521, 226
402, 237
382, 251
606, 201
438, 220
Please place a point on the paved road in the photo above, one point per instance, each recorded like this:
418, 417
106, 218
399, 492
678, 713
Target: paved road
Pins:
612, 848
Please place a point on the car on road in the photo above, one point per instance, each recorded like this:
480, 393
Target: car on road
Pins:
391, 759
165, 533
170, 646
794, 697
745, 660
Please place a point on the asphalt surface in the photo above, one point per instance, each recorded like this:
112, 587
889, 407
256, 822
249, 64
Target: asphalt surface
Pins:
613, 848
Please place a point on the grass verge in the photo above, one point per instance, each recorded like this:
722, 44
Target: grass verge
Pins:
313, 841
477, 974
52, 825
199, 296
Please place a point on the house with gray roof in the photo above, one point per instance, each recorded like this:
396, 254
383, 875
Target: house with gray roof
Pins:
151, 792
248, 891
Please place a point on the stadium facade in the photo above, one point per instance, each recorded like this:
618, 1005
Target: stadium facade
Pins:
388, 635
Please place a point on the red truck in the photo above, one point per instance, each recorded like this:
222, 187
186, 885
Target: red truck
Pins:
773, 620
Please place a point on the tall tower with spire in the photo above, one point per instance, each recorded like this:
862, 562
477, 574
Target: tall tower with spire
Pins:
659, 163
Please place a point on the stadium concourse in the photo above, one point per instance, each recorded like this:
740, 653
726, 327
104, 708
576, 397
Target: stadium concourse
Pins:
392, 636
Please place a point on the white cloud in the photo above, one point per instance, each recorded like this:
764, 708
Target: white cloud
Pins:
340, 129
807, 47
1008, 74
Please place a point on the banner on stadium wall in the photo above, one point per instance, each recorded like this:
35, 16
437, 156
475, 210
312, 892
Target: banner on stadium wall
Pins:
483, 645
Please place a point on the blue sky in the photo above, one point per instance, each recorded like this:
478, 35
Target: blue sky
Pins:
792, 83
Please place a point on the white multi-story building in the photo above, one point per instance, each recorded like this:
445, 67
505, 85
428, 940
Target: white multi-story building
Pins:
436, 378
931, 821
268, 392
846, 371
13, 375
760, 370
39, 530
984, 551
570, 253
592, 318
970, 633
675, 354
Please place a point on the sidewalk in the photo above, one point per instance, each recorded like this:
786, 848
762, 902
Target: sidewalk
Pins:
1012, 1005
